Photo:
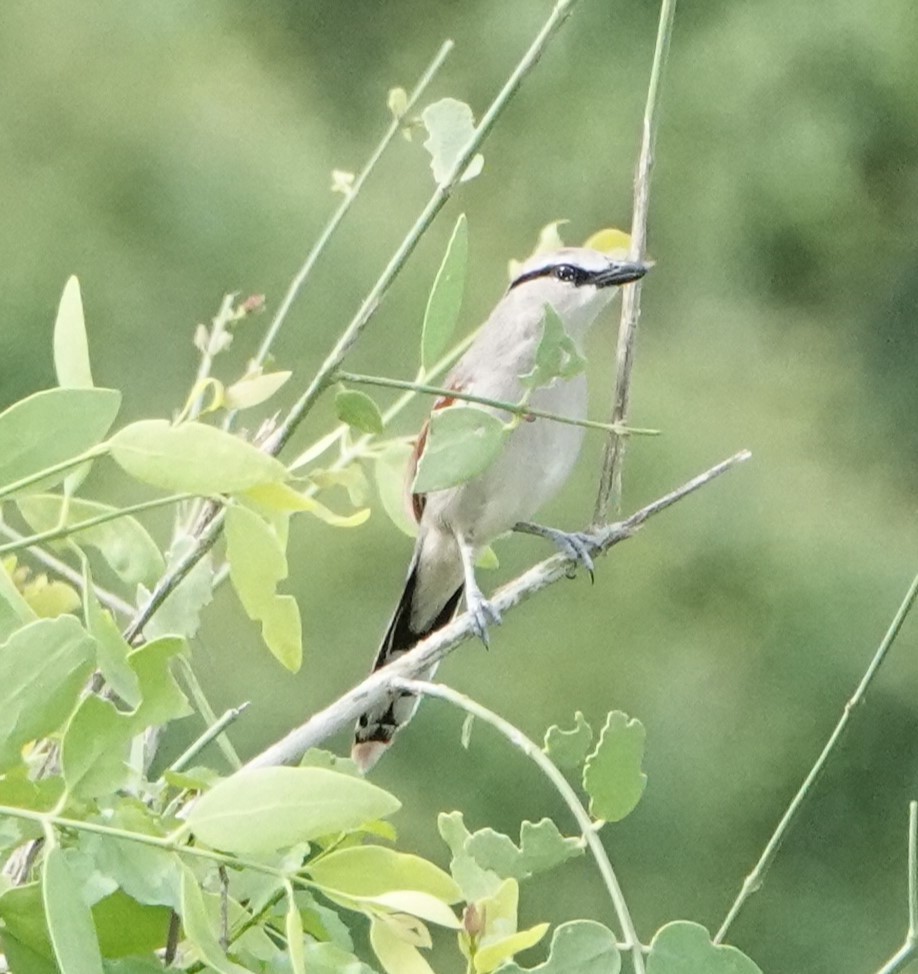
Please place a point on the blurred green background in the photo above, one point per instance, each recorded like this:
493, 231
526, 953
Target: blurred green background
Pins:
170, 152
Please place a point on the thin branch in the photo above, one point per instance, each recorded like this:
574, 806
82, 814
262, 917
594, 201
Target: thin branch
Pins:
215, 729
66, 530
108, 599
610, 483
754, 880
516, 409
435, 647
519, 740
906, 953
322, 242
212, 528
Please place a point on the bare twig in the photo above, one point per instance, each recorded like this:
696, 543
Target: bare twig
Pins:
216, 728
906, 953
610, 483
378, 685
754, 880
560, 783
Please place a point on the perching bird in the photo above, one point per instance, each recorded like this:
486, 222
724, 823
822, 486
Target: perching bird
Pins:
455, 524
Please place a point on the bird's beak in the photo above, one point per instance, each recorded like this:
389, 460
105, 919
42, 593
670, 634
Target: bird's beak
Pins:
621, 272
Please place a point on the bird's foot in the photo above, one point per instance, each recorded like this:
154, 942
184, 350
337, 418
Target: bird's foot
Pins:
483, 613
579, 546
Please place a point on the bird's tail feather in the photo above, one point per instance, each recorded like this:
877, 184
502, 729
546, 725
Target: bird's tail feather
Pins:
376, 728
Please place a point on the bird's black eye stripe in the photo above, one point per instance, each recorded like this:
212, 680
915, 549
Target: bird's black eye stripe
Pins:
563, 272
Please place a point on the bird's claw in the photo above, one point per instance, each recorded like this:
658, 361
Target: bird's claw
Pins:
483, 614
577, 546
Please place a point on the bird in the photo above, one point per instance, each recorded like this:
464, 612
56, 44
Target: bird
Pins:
456, 523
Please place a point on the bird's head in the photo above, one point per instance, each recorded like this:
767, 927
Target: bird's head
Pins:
576, 281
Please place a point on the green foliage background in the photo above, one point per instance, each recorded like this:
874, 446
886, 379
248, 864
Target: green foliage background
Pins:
169, 152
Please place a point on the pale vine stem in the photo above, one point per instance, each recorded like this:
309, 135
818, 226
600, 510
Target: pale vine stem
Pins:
439, 644
561, 785
754, 880
610, 482
211, 531
906, 953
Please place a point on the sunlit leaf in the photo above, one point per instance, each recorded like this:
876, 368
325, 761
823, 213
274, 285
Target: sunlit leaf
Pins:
682, 947
612, 775
616, 243
578, 947
43, 667
49, 598
389, 469
494, 954
282, 497
71, 349
271, 808
14, 610
258, 562
450, 126
463, 442
445, 298
50, 427
556, 355
418, 904
568, 748
359, 411
124, 543
253, 390
370, 870
396, 954
70, 925
192, 457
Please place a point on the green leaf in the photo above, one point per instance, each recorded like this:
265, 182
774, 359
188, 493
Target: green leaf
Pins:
556, 355
396, 954
475, 882
682, 947
578, 947
257, 558
270, 808
370, 870
612, 775
445, 299
43, 667
148, 875
161, 697
198, 929
359, 411
50, 427
389, 470
568, 748
23, 916
327, 958
494, 954
541, 847
450, 126
71, 349
253, 390
70, 925
124, 543
417, 904
192, 457
95, 750
463, 442
125, 927
111, 648
180, 614
15, 612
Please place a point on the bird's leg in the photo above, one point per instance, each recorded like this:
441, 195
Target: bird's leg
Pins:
576, 545
479, 608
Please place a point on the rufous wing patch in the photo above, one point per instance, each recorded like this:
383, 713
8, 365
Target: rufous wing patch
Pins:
416, 502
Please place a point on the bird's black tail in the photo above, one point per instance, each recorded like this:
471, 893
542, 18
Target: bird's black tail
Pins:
376, 728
